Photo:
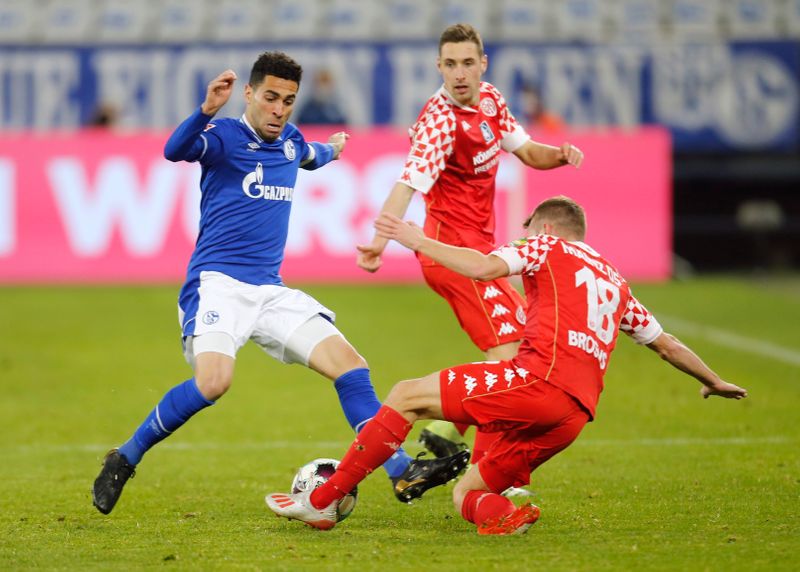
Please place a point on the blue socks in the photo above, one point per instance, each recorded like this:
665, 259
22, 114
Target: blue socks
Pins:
174, 409
354, 388
360, 404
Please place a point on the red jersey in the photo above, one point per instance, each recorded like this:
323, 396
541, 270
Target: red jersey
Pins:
577, 304
453, 162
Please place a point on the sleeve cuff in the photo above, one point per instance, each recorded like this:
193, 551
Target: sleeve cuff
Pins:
417, 181
512, 259
515, 139
649, 333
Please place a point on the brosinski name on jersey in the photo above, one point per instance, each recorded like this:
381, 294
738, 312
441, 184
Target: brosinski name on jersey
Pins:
253, 187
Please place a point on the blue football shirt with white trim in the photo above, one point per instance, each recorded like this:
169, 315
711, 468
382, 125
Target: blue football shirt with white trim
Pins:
247, 185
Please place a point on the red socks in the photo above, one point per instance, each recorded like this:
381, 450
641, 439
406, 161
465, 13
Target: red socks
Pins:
375, 443
479, 506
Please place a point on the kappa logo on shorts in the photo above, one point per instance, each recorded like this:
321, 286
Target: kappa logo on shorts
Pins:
489, 378
521, 315
210, 317
491, 292
470, 383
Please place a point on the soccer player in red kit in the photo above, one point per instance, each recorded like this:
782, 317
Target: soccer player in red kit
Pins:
538, 401
453, 162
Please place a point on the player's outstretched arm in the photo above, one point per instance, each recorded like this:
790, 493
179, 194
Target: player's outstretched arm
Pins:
672, 350
218, 92
466, 261
185, 143
369, 255
324, 153
541, 156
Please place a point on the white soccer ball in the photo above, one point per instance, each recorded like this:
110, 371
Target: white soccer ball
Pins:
313, 474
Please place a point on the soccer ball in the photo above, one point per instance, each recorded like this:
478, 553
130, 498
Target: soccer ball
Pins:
313, 474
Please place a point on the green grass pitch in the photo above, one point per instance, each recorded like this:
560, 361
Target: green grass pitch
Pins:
663, 480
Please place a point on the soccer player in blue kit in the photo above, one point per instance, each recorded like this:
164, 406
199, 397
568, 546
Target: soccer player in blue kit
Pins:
233, 291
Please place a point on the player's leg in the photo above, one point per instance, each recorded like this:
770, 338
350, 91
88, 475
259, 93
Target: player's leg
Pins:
554, 420
492, 314
294, 328
492, 513
443, 438
211, 328
335, 358
406, 402
376, 442
213, 375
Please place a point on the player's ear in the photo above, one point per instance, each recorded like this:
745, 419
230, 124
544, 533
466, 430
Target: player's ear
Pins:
248, 92
484, 63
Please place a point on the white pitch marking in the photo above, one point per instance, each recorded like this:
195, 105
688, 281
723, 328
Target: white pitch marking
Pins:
735, 341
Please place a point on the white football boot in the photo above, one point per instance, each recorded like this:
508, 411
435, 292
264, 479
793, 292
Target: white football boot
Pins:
298, 506
511, 492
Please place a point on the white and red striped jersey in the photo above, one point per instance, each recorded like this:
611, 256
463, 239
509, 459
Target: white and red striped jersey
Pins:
453, 161
577, 304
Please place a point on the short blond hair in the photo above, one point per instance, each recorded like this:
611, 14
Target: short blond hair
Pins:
563, 212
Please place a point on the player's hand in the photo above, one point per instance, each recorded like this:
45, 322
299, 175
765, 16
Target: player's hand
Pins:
724, 389
218, 92
369, 257
570, 155
406, 233
337, 141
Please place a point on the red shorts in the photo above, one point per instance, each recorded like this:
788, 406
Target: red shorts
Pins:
536, 419
492, 313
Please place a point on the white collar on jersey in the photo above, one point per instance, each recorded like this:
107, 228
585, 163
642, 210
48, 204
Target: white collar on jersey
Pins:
244, 120
446, 94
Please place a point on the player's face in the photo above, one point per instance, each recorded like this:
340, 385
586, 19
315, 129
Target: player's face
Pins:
269, 105
462, 66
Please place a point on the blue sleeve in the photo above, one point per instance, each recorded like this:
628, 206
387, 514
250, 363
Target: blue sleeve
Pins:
319, 154
187, 142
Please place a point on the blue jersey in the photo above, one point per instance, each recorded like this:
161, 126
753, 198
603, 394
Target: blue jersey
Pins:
247, 185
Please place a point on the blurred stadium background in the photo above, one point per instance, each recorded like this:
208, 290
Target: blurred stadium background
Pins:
719, 80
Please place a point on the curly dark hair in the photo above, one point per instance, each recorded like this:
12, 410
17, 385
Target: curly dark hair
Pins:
275, 64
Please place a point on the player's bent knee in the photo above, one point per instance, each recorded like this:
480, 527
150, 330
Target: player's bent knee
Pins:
410, 399
399, 396
213, 384
319, 345
213, 373
334, 357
